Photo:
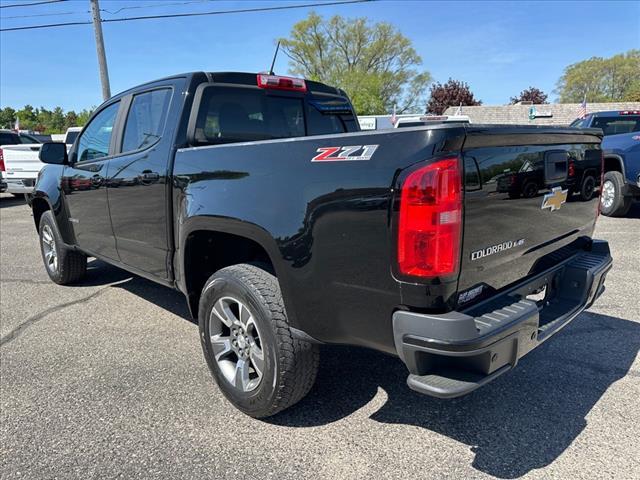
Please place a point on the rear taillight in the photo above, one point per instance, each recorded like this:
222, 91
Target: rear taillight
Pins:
2, 167
430, 222
572, 168
629, 112
277, 82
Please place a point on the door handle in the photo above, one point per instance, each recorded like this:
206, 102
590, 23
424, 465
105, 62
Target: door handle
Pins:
147, 177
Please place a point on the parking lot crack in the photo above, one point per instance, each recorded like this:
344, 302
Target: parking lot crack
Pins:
26, 280
17, 331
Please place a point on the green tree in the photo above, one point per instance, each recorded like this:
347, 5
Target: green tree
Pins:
611, 79
7, 117
28, 117
84, 115
70, 119
57, 121
374, 63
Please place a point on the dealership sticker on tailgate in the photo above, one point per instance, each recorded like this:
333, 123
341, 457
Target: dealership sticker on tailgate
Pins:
345, 154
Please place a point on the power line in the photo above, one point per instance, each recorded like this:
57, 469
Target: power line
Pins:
192, 14
45, 15
30, 4
50, 25
153, 5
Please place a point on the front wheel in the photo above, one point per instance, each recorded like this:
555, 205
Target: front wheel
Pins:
613, 203
64, 265
255, 359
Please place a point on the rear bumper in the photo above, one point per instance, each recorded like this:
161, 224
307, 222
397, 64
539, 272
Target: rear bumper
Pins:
20, 185
450, 355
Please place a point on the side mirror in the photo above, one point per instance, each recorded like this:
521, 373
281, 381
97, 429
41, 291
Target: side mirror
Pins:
54, 152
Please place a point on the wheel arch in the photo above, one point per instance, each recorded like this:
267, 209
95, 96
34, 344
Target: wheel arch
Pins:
208, 244
614, 163
39, 205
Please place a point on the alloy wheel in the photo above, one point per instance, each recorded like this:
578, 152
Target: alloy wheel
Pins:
608, 194
236, 344
49, 248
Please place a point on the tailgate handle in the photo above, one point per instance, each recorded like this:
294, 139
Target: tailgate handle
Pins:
556, 166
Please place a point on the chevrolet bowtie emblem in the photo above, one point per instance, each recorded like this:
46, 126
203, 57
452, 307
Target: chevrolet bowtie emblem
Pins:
555, 199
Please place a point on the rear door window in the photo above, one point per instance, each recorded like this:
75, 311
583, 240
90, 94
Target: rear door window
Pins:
146, 119
617, 125
229, 115
236, 114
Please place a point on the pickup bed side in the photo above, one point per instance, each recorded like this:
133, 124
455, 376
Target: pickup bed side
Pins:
324, 225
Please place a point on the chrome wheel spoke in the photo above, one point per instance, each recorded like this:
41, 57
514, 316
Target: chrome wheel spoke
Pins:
224, 313
244, 315
241, 379
257, 359
221, 346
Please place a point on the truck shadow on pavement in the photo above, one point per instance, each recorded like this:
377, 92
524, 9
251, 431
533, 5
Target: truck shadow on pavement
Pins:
11, 201
522, 421
634, 211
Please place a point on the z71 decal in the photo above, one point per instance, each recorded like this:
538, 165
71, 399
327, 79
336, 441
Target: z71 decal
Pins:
342, 154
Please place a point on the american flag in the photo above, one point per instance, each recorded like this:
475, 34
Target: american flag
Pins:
582, 111
394, 118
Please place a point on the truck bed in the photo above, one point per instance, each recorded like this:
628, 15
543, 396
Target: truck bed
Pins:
332, 223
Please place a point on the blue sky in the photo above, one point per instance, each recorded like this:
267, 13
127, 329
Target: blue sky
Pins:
499, 48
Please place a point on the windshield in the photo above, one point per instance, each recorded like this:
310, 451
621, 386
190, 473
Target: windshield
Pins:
71, 137
617, 125
28, 139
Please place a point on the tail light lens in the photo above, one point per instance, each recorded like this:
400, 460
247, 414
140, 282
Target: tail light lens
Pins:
572, 168
430, 223
277, 82
2, 167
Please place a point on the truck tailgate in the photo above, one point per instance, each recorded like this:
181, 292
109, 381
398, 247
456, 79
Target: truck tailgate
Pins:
523, 210
22, 160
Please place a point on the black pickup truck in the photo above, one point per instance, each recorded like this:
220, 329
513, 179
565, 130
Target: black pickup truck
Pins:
285, 227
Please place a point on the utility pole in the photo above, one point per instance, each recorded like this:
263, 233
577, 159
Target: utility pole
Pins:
102, 58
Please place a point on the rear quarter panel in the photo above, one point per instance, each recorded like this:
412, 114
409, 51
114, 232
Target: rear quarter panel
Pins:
627, 147
326, 225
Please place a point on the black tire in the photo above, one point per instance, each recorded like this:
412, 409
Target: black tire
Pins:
587, 188
619, 204
529, 190
69, 265
290, 364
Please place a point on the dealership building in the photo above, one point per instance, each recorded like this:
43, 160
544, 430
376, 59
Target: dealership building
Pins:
518, 114
529, 114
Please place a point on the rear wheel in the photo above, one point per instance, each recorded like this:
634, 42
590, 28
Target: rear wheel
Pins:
612, 201
63, 264
587, 188
530, 190
259, 365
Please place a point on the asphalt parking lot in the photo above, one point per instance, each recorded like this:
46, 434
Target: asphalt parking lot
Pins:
107, 379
